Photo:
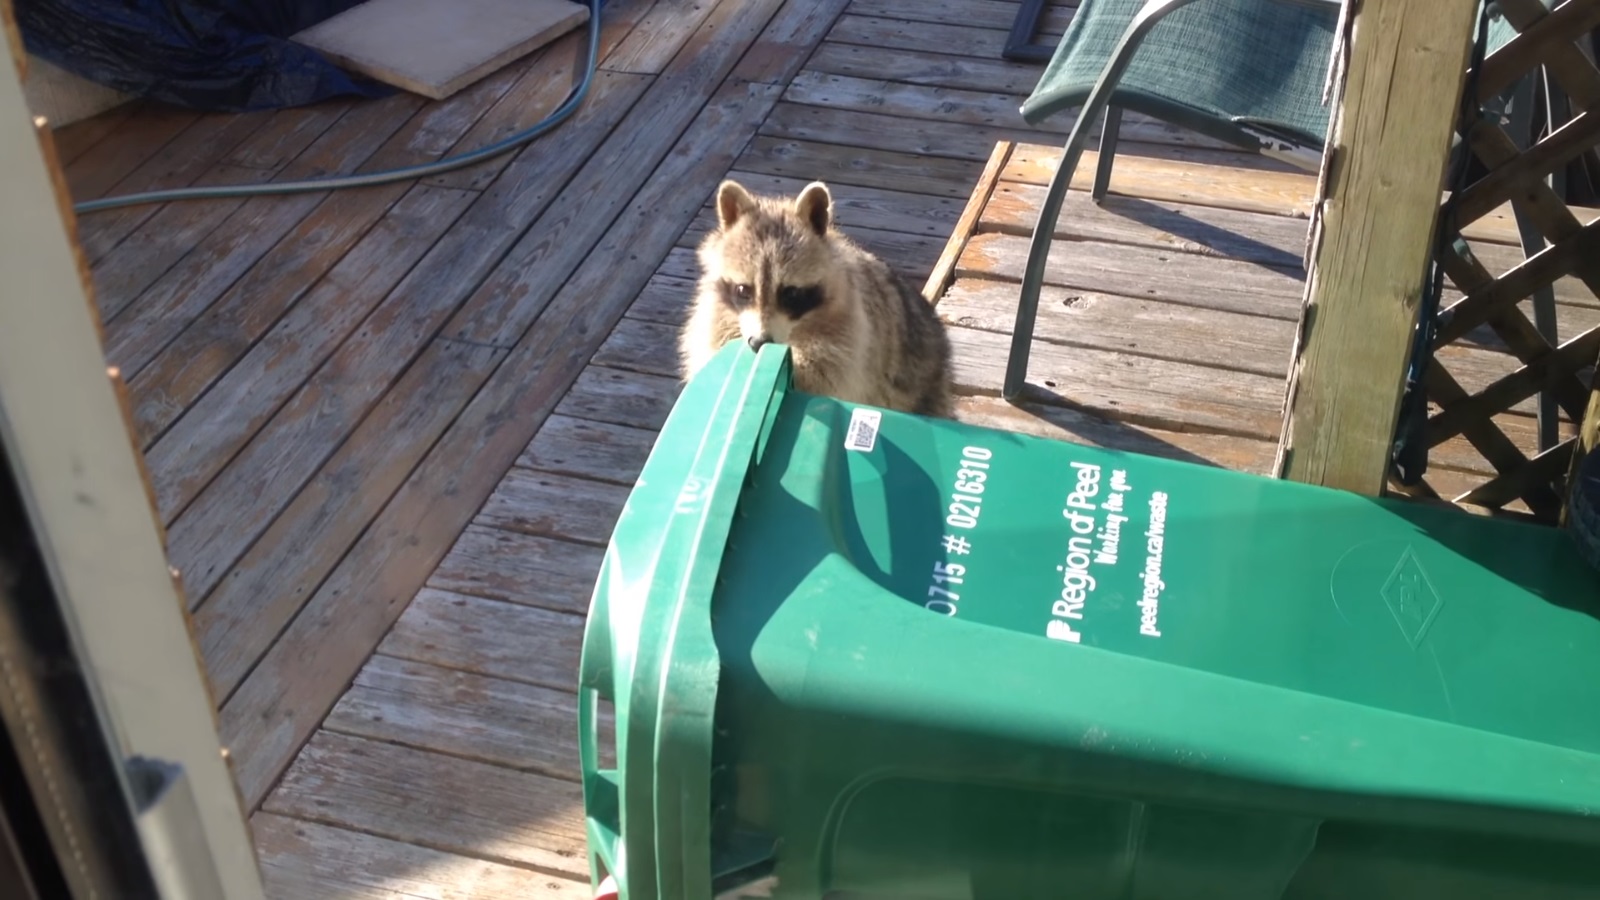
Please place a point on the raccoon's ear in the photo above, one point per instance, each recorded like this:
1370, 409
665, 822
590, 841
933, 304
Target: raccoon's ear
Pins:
733, 201
816, 206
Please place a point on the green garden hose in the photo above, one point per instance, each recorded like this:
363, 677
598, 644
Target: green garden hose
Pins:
406, 173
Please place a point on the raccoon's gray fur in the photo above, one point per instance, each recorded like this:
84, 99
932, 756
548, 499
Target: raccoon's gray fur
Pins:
776, 270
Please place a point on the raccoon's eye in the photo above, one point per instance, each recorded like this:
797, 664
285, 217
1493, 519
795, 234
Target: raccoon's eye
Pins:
736, 295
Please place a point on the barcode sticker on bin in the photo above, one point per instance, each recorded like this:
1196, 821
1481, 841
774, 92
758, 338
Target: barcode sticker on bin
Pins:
863, 432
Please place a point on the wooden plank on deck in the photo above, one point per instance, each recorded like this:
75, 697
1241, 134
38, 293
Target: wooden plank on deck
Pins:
295, 268
660, 34
551, 505
910, 172
263, 592
280, 703
301, 860
988, 13
600, 451
451, 804
1166, 394
515, 641
1133, 271
547, 81
183, 160
934, 69
447, 710
968, 107
519, 568
713, 129
218, 499
77, 138
178, 245
205, 440
787, 42
99, 168
945, 268
620, 397
1079, 427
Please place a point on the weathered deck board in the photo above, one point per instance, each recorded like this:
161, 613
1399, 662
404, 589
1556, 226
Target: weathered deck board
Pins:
283, 699
779, 52
197, 248
1239, 348
664, 300
866, 167
1175, 331
658, 36
524, 643
965, 107
448, 803
925, 68
246, 482
404, 419
302, 859
102, 166
1133, 271
1166, 394
77, 138
640, 346
264, 590
550, 505
1134, 214
545, 80
519, 568
296, 267
935, 137
620, 397
1059, 423
903, 34
493, 720
180, 163
599, 451
536, 269
1284, 192
206, 438
985, 13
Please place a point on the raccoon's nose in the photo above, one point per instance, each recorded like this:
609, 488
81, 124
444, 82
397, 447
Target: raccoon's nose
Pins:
756, 341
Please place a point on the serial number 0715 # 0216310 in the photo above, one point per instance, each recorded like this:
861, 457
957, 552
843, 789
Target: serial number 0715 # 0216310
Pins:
966, 503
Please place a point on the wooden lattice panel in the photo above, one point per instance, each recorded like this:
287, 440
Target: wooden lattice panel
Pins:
1486, 308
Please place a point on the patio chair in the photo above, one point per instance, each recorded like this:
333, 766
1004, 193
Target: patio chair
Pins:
1250, 73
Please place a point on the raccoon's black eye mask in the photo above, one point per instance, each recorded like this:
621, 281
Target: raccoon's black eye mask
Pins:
796, 301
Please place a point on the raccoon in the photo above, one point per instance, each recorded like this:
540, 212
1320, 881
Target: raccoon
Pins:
776, 270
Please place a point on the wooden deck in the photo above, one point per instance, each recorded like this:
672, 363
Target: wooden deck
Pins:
389, 429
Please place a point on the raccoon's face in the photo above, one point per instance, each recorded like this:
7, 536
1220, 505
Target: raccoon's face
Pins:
772, 261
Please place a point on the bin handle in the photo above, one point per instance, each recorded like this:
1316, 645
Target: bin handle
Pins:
603, 802
739, 406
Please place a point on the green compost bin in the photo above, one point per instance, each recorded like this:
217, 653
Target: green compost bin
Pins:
858, 654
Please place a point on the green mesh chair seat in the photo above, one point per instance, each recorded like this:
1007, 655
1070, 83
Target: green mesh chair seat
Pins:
1245, 72
1208, 67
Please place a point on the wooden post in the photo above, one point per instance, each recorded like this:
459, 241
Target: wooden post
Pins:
1373, 236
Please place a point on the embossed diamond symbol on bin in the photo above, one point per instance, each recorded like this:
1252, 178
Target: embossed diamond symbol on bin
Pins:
1411, 598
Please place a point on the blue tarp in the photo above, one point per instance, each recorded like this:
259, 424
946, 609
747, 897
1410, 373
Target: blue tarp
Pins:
215, 55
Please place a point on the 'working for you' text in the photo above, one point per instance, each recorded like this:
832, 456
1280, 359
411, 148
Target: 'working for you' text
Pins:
1094, 511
